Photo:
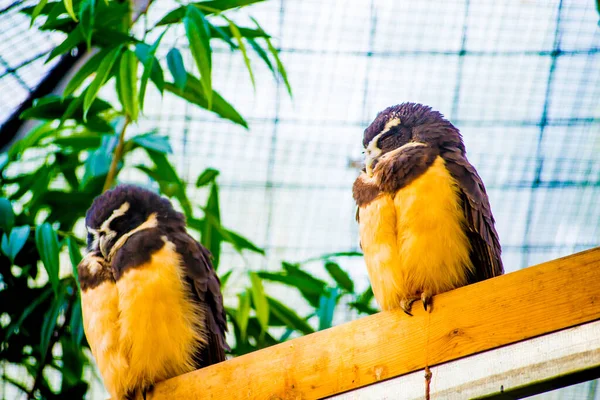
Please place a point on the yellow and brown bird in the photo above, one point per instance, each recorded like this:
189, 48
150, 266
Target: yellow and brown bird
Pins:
425, 220
151, 301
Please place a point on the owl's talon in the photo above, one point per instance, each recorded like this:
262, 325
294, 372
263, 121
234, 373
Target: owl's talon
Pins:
426, 299
406, 305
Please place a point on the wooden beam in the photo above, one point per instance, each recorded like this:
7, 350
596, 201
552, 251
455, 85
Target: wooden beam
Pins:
531, 302
524, 368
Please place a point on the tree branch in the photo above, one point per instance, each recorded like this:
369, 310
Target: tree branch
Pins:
117, 156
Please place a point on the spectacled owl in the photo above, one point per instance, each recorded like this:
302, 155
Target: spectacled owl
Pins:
424, 217
151, 300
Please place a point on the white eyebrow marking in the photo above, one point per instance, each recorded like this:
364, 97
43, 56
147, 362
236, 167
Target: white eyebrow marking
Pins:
388, 125
151, 222
115, 214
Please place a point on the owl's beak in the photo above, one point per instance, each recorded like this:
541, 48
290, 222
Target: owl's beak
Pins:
103, 245
369, 165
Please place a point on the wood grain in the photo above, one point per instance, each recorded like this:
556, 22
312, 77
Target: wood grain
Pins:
507, 309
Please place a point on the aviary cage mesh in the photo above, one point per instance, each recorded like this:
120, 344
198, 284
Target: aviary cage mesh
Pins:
519, 78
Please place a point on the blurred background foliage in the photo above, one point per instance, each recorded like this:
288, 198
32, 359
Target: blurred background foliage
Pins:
78, 148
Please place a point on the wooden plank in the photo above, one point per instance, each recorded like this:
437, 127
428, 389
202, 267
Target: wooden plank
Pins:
497, 371
500, 311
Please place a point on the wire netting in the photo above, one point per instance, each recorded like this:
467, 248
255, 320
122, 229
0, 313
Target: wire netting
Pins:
520, 79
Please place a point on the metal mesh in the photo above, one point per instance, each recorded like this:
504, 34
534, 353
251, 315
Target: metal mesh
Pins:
518, 78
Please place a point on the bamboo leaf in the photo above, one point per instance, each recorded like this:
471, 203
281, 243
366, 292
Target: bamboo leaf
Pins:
69, 8
89, 68
152, 141
37, 10
275, 53
74, 256
289, 317
76, 323
236, 33
211, 235
197, 30
340, 276
241, 243
101, 77
87, 12
327, 304
177, 68
149, 61
58, 303
193, 93
47, 245
261, 305
206, 177
243, 312
7, 216
127, 84
14, 326
261, 53
209, 7
71, 41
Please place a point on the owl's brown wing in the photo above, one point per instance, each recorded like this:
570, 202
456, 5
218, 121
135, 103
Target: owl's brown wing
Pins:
485, 245
207, 287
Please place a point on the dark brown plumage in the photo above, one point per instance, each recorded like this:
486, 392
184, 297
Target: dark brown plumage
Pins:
401, 145
155, 265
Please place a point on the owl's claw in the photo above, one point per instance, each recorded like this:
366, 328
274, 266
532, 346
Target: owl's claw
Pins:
426, 299
406, 305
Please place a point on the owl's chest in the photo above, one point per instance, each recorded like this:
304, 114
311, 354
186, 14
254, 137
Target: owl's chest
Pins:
414, 240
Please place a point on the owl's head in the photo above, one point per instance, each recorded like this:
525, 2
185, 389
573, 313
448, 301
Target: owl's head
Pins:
407, 124
118, 213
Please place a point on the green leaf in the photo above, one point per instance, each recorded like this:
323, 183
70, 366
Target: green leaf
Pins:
76, 323
177, 68
127, 84
54, 107
13, 327
79, 142
4, 160
193, 93
152, 141
13, 243
47, 245
289, 317
327, 304
50, 320
101, 77
88, 68
225, 278
7, 215
71, 41
340, 276
261, 53
37, 10
275, 53
243, 312
280, 66
69, 8
208, 7
74, 255
197, 30
149, 60
211, 234
98, 162
207, 176
310, 288
236, 33
73, 361
87, 12
241, 243
261, 305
